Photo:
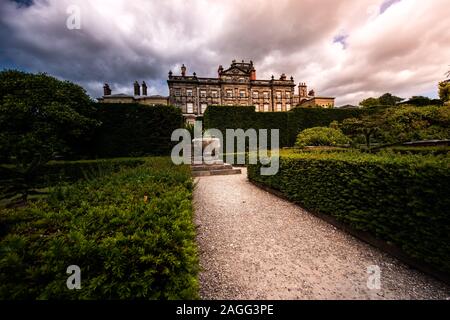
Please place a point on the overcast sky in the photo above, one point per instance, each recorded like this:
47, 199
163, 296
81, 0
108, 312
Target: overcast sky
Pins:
350, 49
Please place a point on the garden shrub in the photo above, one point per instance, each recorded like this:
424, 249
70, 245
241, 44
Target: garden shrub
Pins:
402, 199
300, 119
131, 233
321, 136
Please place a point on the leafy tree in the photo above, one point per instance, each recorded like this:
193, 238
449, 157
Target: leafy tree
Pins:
401, 124
386, 99
422, 101
40, 117
409, 123
321, 136
370, 102
444, 91
368, 126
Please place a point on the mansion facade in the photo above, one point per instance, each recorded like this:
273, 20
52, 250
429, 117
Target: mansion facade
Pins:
234, 86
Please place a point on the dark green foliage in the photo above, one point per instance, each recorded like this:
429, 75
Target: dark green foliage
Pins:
400, 199
245, 117
126, 247
386, 99
300, 119
435, 150
59, 172
321, 136
135, 130
421, 101
289, 123
41, 118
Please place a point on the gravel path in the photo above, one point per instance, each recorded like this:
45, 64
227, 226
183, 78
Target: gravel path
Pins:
254, 245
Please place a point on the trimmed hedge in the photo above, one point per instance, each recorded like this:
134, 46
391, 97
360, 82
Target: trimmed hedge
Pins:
126, 247
403, 200
130, 129
290, 123
56, 172
245, 117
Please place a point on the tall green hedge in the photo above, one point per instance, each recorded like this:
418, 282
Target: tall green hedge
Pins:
289, 123
127, 246
130, 129
403, 200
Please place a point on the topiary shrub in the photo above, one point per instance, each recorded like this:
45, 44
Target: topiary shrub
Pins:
321, 136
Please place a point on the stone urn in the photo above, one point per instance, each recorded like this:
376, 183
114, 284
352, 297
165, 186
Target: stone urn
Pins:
205, 150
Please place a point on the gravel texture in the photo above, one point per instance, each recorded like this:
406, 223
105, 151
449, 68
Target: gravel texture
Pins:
254, 245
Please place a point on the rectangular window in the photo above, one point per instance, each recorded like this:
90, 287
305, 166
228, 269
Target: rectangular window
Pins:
203, 93
229, 93
214, 94
189, 92
288, 106
242, 93
279, 107
288, 94
266, 107
257, 107
190, 107
203, 107
241, 79
266, 95
177, 92
255, 94
279, 95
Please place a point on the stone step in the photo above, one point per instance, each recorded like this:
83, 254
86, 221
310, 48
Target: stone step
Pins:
206, 167
215, 172
199, 161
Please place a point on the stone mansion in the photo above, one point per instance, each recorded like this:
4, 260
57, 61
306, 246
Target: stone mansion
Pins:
236, 85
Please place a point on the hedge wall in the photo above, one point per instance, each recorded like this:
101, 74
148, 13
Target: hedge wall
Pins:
127, 246
135, 129
290, 123
244, 117
402, 200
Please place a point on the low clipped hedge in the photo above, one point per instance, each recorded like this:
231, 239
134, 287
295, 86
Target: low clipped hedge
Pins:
56, 172
403, 200
437, 150
126, 247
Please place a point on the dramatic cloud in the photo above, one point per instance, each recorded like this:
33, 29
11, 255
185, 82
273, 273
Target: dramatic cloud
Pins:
350, 49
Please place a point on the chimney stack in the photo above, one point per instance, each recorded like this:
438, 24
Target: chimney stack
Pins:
283, 77
302, 90
106, 90
137, 89
183, 70
144, 88
253, 73
220, 70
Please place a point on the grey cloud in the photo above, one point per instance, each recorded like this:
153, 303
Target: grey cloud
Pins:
402, 50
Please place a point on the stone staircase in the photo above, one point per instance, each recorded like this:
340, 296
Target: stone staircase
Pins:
216, 169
